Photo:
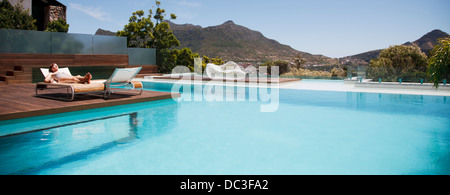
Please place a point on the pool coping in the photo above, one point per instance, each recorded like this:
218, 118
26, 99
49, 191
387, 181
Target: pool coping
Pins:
268, 80
388, 88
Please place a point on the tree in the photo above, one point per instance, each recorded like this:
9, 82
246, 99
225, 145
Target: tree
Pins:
15, 17
138, 31
206, 60
59, 25
163, 37
338, 72
439, 62
299, 61
166, 60
172, 58
153, 32
186, 58
282, 65
142, 31
400, 61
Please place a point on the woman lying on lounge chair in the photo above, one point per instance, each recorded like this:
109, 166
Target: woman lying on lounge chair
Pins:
62, 77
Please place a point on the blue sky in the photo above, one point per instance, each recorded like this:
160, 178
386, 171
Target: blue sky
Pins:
334, 28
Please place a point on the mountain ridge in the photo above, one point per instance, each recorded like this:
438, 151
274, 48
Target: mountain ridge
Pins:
426, 44
233, 42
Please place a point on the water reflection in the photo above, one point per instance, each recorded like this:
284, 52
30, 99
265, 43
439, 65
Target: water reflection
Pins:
49, 147
371, 102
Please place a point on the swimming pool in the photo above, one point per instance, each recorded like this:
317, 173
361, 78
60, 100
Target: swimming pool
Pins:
312, 132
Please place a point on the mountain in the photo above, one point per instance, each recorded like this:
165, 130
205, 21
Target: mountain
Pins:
105, 32
233, 42
426, 44
429, 40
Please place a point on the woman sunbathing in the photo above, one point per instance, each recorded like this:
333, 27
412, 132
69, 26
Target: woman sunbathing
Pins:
62, 77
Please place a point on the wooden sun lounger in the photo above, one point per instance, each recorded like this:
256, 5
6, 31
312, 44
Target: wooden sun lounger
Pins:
67, 91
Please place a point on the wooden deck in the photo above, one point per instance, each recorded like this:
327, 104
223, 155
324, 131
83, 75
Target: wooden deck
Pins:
19, 101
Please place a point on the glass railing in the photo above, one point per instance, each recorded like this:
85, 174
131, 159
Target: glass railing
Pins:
38, 42
139, 56
394, 75
24, 41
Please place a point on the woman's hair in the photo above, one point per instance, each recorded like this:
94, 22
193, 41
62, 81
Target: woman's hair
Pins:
51, 67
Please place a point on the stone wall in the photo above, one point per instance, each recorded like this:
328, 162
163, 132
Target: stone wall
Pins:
56, 12
53, 13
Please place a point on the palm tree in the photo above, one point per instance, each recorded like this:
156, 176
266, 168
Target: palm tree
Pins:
439, 62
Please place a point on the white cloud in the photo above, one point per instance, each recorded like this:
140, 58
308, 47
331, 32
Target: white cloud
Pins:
95, 12
187, 10
189, 4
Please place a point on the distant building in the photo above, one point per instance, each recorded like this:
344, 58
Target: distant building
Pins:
44, 11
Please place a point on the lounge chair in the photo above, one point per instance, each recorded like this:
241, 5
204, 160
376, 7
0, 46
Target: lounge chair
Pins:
223, 71
120, 78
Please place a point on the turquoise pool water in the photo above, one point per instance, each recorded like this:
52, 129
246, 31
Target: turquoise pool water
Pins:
312, 132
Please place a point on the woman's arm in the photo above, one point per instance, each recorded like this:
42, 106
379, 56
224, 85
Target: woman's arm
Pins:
49, 78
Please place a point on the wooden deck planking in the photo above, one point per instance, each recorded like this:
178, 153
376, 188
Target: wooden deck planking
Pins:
19, 101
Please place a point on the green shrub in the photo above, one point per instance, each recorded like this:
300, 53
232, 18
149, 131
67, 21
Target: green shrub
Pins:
59, 25
406, 62
15, 17
282, 65
439, 63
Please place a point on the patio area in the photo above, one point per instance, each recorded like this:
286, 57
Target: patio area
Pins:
19, 101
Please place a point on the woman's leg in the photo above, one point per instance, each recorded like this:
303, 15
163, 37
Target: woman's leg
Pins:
87, 78
77, 79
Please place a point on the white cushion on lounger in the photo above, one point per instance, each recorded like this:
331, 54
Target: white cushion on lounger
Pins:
45, 71
229, 68
123, 75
